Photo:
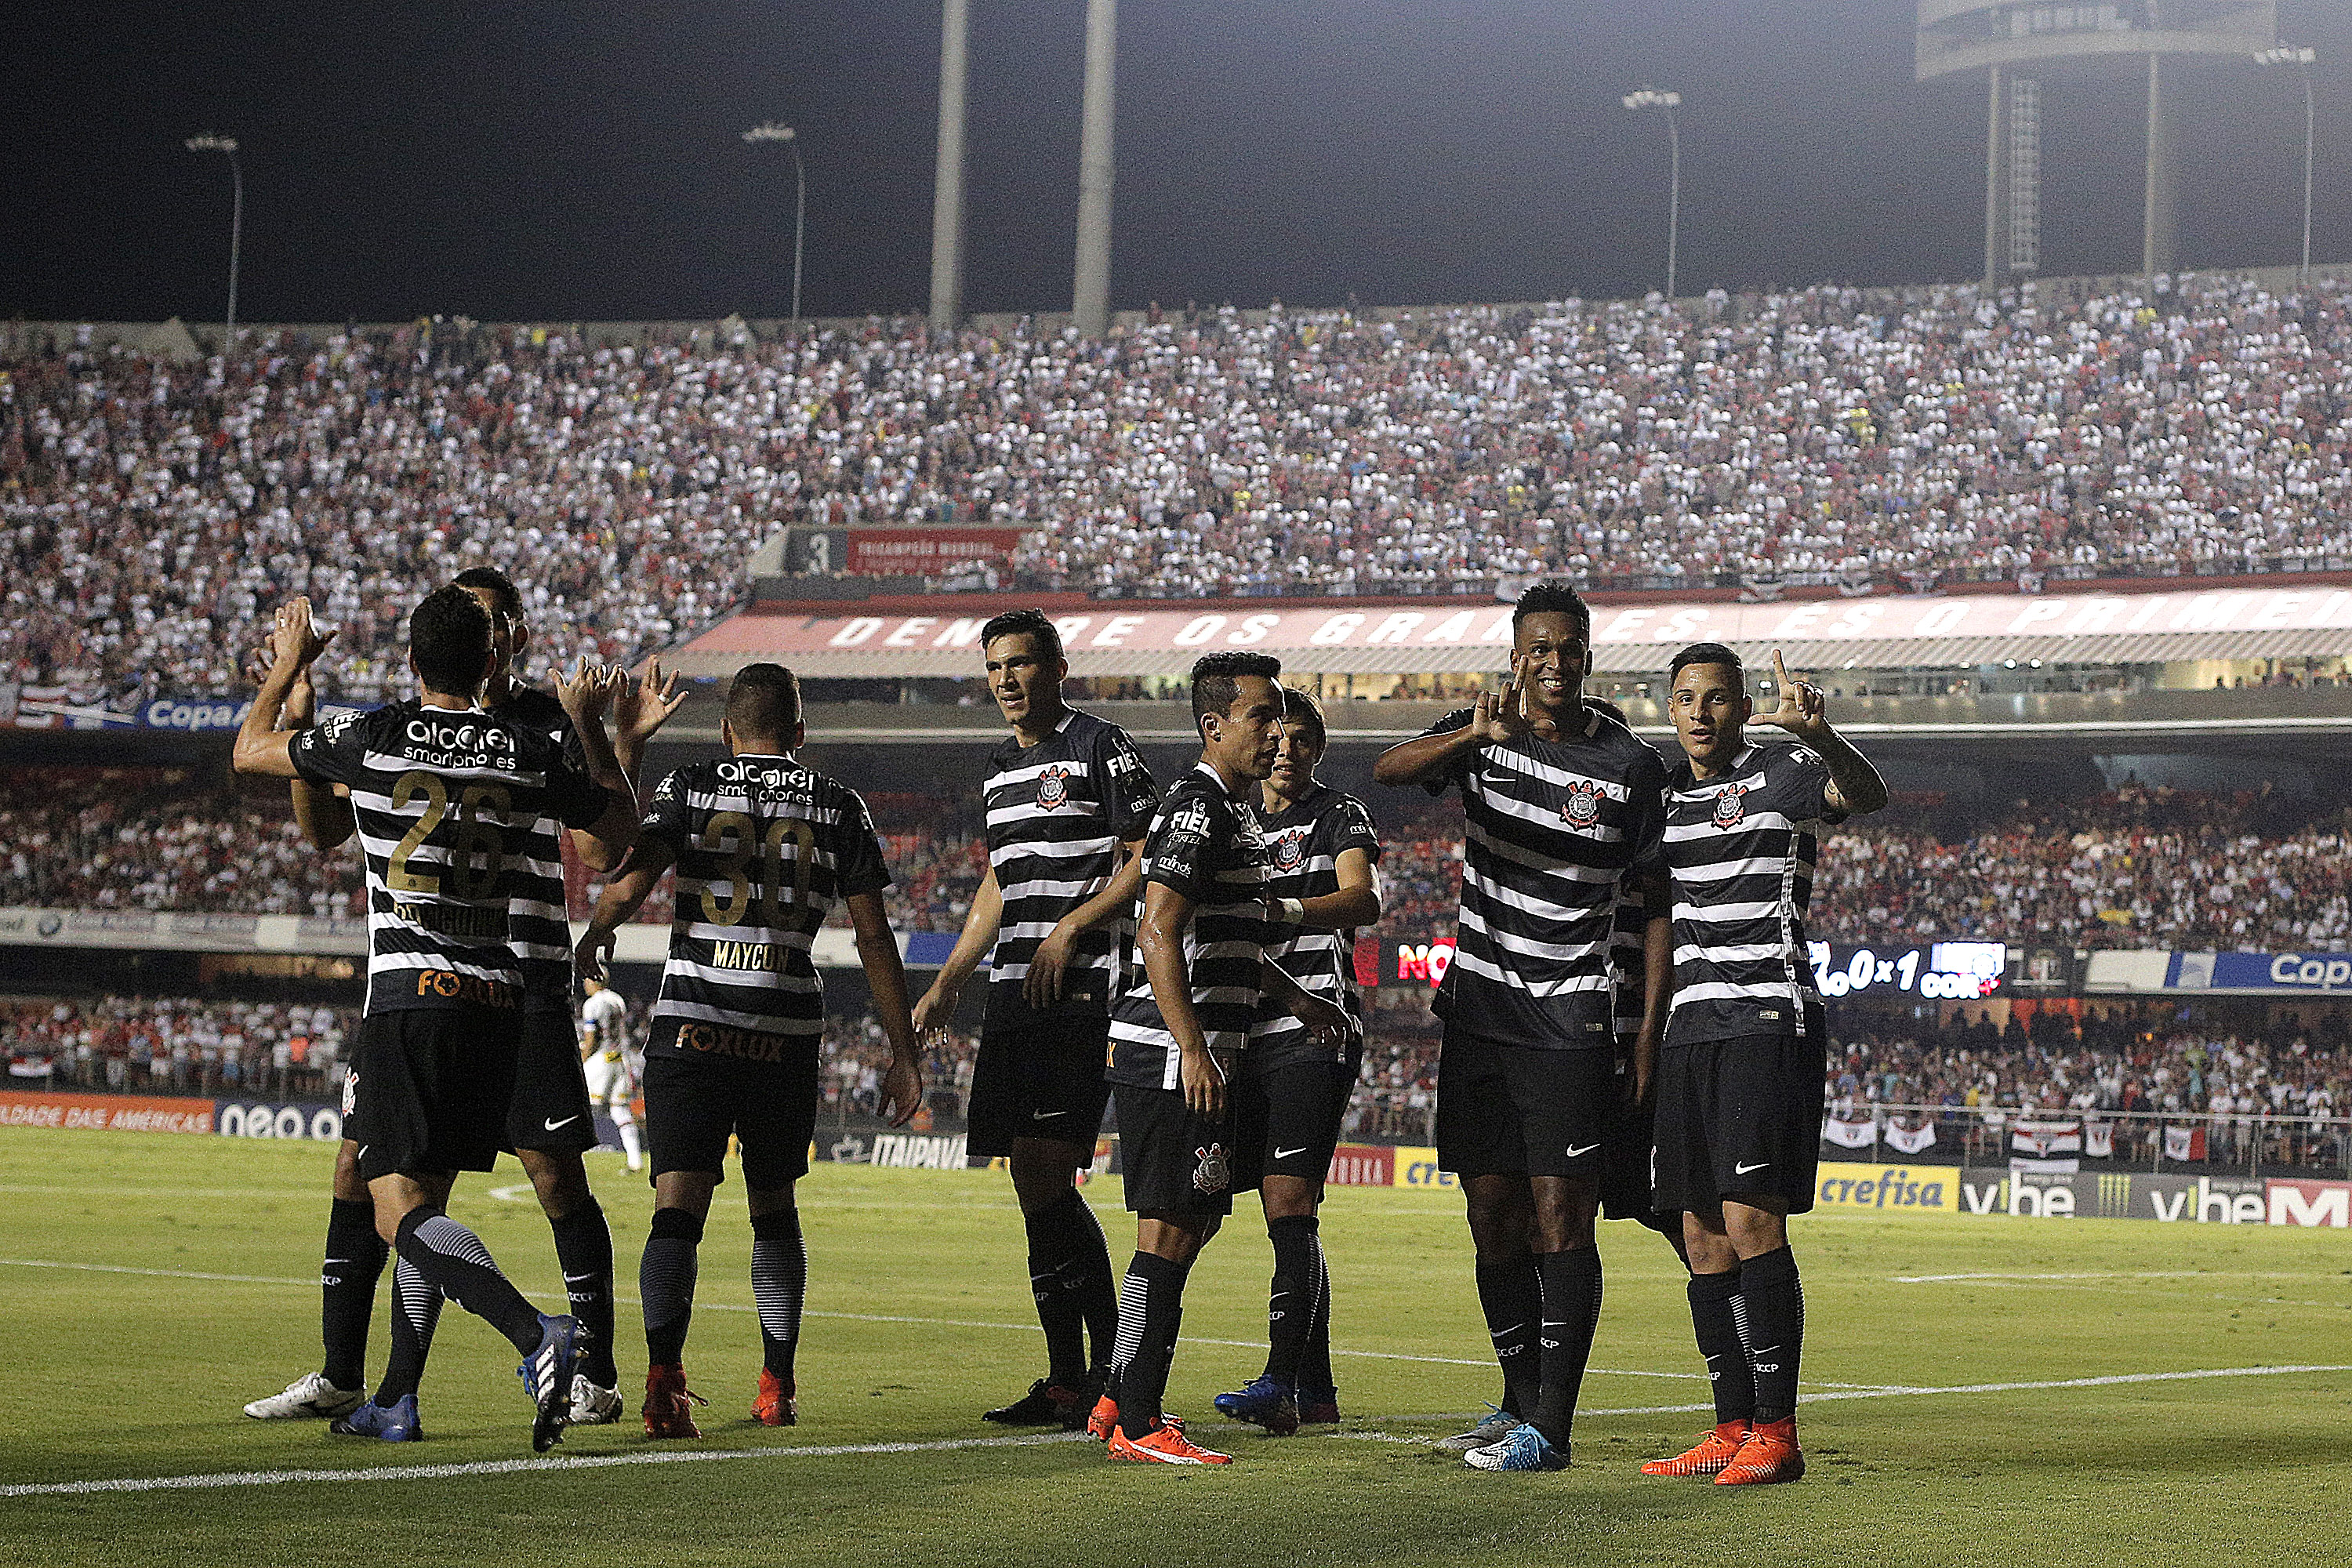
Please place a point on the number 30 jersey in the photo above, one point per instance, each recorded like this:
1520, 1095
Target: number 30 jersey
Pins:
764, 847
445, 802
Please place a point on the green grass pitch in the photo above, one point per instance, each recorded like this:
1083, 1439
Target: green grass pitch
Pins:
193, 1290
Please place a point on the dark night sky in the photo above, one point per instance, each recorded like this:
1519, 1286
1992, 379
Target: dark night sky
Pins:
564, 161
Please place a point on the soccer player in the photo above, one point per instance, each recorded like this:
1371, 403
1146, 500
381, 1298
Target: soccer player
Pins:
550, 1122
764, 847
1068, 798
1179, 1030
605, 1053
1562, 804
1324, 882
447, 797
1740, 1083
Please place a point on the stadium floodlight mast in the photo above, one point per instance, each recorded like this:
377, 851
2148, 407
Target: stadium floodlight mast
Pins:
208, 143
769, 131
2301, 58
1647, 98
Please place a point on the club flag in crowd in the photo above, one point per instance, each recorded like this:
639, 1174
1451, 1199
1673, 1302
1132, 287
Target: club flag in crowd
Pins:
2184, 1145
2099, 1139
1911, 1140
1859, 1134
2042, 1139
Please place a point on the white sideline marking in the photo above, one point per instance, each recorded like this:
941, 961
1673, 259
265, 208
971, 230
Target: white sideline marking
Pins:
511, 1467
1948, 1279
220, 1480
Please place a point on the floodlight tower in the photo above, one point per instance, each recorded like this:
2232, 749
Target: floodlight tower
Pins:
2117, 41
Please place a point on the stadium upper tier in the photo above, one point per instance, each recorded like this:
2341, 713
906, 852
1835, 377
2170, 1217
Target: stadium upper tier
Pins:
152, 509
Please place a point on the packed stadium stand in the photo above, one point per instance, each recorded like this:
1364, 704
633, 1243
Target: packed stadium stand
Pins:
151, 509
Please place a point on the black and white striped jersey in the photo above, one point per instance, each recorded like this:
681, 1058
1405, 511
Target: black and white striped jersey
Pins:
445, 802
538, 927
1303, 846
1058, 812
1205, 844
1551, 830
763, 848
1741, 846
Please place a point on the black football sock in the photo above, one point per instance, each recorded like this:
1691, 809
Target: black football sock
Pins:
1057, 1277
1150, 1305
779, 1286
666, 1283
453, 1258
1086, 1275
1772, 1306
347, 1280
1571, 1309
1315, 1365
1510, 1292
1712, 1297
415, 1314
1290, 1304
584, 1249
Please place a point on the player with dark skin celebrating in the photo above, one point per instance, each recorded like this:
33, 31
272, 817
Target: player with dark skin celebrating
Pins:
1068, 797
1739, 1082
1562, 806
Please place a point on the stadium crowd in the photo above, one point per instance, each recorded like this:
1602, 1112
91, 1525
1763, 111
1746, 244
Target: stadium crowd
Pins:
178, 1046
150, 511
2147, 867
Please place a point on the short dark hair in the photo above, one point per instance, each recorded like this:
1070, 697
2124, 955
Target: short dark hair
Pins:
1023, 624
1603, 705
1216, 677
1707, 653
1301, 711
497, 584
1550, 596
450, 640
763, 701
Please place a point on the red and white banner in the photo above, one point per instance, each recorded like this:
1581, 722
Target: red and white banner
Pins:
1911, 1140
2327, 1204
1861, 1134
2184, 1145
1403, 624
900, 551
2042, 1139
1362, 1165
109, 1112
2099, 1139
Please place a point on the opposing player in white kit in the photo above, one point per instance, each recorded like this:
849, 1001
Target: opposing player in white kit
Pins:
604, 1056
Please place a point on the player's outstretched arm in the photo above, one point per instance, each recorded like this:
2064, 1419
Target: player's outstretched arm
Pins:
622, 897
585, 695
1855, 787
1042, 984
323, 812
886, 976
1429, 759
938, 1005
262, 748
1160, 939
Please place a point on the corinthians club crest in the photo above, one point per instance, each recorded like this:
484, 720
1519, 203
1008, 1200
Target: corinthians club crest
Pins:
1053, 788
1581, 809
1214, 1174
1730, 806
1289, 850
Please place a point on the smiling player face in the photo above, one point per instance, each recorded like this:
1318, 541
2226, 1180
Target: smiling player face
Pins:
1549, 652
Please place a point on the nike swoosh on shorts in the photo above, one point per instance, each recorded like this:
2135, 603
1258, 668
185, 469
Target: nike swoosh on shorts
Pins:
551, 1126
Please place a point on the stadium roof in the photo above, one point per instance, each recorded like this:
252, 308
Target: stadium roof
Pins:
1407, 637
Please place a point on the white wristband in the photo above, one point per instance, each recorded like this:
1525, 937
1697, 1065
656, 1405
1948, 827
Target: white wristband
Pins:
1289, 911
